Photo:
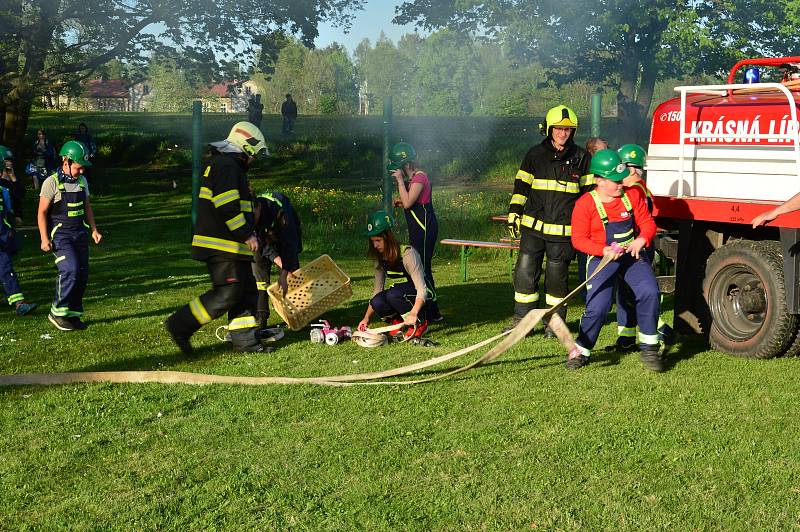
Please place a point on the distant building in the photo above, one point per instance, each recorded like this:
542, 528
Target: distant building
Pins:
96, 95
228, 96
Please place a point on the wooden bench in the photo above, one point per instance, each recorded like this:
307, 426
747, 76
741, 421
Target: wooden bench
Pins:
467, 246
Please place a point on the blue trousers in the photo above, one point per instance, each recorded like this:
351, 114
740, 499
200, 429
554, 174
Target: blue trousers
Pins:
639, 276
71, 249
8, 247
395, 301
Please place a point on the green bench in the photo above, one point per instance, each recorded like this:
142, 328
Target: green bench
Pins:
468, 245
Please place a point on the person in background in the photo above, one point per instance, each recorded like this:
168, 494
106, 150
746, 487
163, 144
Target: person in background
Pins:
399, 292
225, 239
63, 216
423, 227
612, 221
593, 145
255, 110
83, 136
289, 113
44, 158
280, 242
11, 193
551, 177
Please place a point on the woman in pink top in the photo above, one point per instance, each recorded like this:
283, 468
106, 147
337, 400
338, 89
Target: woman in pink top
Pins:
415, 198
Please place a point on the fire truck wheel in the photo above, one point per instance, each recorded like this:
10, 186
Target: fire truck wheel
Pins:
744, 289
794, 347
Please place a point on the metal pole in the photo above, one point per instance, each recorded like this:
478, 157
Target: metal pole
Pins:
197, 153
596, 100
387, 179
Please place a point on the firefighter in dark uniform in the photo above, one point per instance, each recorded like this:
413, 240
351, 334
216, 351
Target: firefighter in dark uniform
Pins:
552, 176
634, 157
12, 192
225, 239
280, 242
64, 214
616, 222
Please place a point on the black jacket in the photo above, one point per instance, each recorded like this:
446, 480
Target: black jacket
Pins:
546, 187
278, 230
224, 210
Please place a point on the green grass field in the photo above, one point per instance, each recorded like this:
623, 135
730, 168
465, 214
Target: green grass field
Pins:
713, 443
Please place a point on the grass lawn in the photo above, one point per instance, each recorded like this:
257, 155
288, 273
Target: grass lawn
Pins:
713, 443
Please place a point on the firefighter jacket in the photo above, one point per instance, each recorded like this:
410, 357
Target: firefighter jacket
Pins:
15, 191
546, 187
278, 230
224, 211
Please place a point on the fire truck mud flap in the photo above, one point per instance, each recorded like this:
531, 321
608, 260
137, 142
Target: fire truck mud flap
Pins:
744, 290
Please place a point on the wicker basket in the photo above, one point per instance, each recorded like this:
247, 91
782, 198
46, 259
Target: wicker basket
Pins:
314, 289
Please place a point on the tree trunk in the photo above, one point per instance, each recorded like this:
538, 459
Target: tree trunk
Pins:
17, 112
627, 106
645, 99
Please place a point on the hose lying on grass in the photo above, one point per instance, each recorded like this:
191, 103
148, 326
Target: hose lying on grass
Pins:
512, 337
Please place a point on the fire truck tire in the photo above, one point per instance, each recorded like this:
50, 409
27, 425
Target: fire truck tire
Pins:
744, 290
794, 346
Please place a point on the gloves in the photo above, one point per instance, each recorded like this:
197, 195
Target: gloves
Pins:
513, 225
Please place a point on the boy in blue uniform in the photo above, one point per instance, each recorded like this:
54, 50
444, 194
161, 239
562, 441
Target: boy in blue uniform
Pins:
11, 193
64, 215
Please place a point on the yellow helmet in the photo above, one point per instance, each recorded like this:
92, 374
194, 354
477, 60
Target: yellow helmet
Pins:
244, 137
561, 116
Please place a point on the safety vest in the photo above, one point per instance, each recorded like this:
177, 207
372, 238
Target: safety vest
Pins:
70, 212
396, 273
621, 232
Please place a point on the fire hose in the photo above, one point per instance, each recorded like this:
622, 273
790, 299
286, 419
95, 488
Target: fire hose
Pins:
512, 337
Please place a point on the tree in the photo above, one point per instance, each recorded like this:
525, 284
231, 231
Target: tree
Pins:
172, 92
44, 40
628, 44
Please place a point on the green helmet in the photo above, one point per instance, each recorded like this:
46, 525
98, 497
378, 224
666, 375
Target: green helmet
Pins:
607, 164
75, 151
378, 222
400, 154
561, 116
632, 155
5, 153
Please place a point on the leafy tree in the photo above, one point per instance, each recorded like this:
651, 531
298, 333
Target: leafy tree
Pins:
44, 40
628, 44
172, 92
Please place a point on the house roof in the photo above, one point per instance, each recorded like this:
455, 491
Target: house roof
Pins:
106, 88
223, 89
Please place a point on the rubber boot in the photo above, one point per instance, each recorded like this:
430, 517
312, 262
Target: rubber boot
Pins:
651, 358
245, 341
181, 326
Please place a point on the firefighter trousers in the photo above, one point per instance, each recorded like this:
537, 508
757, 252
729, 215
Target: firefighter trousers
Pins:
261, 271
532, 251
8, 247
233, 291
71, 249
636, 274
395, 301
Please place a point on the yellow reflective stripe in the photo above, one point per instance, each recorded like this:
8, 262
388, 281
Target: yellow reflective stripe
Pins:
261, 285
53, 232
226, 197
524, 176
626, 202
518, 199
270, 197
59, 259
552, 300
13, 298
599, 206
422, 225
555, 186
205, 193
199, 311
80, 203
220, 244
527, 221
72, 214
626, 234
246, 206
626, 331
519, 297
246, 322
236, 222
587, 180
207, 171
58, 311
648, 339
557, 229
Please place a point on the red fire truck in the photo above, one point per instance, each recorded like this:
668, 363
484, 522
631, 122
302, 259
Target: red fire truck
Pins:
718, 156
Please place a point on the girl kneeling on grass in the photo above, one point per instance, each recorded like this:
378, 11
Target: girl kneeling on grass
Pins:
399, 279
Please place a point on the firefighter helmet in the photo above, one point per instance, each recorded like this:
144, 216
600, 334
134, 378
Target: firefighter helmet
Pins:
561, 116
75, 151
400, 154
632, 155
5, 153
378, 222
607, 164
244, 137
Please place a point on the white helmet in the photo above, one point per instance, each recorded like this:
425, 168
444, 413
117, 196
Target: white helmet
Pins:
244, 137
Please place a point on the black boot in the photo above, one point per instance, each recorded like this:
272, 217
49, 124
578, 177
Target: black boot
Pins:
245, 341
181, 326
651, 358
